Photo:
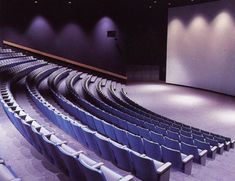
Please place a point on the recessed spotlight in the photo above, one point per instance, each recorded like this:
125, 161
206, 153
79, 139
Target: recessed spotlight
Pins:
69, 2
150, 6
169, 4
192, 0
35, 1
154, 1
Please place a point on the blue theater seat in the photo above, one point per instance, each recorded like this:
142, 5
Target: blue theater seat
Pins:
186, 133
208, 136
186, 129
149, 126
152, 150
144, 133
99, 126
51, 142
174, 129
173, 135
132, 128
220, 146
160, 130
148, 169
158, 138
121, 136
79, 133
222, 140
173, 144
135, 142
103, 144
69, 157
91, 141
196, 131
163, 125
109, 130
179, 161
186, 139
206, 146
99, 172
122, 155
199, 155
198, 137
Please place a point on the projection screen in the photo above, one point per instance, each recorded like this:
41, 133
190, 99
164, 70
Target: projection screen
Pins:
201, 46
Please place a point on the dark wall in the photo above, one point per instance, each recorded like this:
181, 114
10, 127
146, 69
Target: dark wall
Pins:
79, 30
1, 22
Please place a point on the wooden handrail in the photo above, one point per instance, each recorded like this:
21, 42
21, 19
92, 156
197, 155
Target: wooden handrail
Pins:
66, 60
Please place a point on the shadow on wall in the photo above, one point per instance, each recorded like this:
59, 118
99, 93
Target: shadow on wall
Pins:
71, 41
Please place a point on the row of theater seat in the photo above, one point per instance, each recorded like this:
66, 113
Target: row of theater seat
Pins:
146, 134
181, 126
202, 136
136, 142
128, 136
5, 50
199, 142
213, 139
73, 163
120, 155
189, 138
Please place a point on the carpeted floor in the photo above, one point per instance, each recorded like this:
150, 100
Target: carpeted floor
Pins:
206, 110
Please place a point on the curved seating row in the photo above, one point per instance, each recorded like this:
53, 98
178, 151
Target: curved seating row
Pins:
124, 136
129, 127
212, 139
10, 55
75, 164
101, 145
219, 138
120, 135
114, 127
5, 50
163, 128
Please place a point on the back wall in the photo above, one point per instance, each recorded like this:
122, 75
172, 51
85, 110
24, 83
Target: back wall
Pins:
201, 46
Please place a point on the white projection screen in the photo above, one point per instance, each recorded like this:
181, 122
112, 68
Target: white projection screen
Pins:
201, 46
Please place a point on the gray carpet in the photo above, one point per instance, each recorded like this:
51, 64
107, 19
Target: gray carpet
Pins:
202, 109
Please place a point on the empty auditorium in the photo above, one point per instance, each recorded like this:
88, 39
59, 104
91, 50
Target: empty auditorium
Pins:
125, 90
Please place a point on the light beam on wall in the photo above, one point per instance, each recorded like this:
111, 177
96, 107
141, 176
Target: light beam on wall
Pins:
40, 31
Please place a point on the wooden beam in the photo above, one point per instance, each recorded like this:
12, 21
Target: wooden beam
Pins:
66, 60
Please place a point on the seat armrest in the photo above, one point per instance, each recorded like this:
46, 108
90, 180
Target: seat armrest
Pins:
77, 153
126, 178
203, 152
1, 161
49, 134
98, 165
61, 143
188, 158
232, 143
214, 148
166, 166
221, 145
187, 164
